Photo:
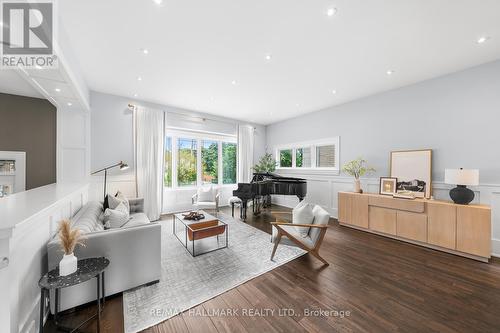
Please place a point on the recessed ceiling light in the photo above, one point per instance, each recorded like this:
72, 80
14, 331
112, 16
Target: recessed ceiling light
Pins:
233, 82
268, 57
334, 91
158, 2
139, 78
145, 51
390, 72
135, 95
482, 39
297, 105
331, 11
69, 103
57, 90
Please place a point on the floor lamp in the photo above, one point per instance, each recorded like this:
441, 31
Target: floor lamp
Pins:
121, 164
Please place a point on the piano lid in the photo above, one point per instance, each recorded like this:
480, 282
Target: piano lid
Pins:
271, 175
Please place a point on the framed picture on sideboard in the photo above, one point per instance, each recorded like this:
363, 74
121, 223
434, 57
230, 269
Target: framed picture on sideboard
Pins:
413, 169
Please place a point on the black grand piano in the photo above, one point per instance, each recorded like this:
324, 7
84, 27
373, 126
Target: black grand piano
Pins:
265, 184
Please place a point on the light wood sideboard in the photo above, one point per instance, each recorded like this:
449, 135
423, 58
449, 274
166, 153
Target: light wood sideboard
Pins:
463, 230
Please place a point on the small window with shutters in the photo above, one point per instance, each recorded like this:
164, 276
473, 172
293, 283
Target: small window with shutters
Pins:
313, 155
325, 156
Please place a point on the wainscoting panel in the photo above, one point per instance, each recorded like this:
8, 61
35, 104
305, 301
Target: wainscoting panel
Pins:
323, 190
28, 240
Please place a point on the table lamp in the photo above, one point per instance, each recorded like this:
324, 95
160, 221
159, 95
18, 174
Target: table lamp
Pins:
461, 177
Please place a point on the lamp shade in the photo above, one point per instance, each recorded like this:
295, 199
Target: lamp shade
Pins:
461, 177
123, 165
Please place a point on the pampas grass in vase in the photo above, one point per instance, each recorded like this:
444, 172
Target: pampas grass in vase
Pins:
68, 240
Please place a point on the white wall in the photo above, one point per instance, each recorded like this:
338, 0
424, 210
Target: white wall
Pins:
112, 140
33, 218
456, 115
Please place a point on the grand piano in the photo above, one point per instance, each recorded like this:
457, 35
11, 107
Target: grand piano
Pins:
264, 184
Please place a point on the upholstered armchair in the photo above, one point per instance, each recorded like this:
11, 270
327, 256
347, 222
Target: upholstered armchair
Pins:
206, 199
294, 232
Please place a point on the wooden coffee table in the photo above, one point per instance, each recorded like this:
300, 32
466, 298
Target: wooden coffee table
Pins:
196, 231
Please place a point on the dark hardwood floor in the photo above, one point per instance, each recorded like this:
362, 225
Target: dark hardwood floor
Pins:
376, 284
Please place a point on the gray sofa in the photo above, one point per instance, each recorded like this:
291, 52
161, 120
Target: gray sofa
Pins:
134, 251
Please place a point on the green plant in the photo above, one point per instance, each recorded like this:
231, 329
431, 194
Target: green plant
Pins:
267, 163
357, 168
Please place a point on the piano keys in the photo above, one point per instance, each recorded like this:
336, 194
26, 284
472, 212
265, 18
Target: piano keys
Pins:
265, 184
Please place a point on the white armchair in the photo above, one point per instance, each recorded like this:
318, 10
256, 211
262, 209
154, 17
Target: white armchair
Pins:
206, 199
310, 242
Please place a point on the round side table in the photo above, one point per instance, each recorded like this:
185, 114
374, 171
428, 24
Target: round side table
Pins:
87, 269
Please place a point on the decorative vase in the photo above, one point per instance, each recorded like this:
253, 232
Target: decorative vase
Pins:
68, 264
357, 186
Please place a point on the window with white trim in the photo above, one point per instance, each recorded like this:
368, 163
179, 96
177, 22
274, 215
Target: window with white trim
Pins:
312, 155
195, 159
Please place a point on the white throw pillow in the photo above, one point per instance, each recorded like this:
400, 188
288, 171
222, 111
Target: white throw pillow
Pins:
116, 218
303, 214
114, 201
206, 195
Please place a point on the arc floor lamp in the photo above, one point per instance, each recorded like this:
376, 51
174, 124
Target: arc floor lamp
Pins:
121, 164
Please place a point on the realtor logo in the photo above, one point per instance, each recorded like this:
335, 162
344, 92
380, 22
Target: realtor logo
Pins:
27, 34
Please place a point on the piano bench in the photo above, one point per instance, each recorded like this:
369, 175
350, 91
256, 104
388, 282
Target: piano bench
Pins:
234, 201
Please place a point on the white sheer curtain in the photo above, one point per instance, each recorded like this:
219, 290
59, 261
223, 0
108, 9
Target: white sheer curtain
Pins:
149, 138
245, 153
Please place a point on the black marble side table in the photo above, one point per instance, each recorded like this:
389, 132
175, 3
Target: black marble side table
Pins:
87, 269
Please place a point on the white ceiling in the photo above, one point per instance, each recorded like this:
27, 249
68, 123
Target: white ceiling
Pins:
12, 83
197, 48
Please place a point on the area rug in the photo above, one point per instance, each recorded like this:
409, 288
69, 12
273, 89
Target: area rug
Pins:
186, 281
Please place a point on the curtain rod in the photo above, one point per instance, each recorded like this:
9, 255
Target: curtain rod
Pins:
132, 107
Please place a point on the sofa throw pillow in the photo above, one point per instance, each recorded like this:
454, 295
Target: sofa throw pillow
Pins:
116, 218
206, 195
114, 201
303, 214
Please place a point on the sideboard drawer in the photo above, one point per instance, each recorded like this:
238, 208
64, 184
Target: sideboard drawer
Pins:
412, 226
382, 220
416, 206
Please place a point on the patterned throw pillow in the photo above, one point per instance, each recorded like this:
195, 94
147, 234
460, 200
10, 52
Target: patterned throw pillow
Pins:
116, 218
114, 201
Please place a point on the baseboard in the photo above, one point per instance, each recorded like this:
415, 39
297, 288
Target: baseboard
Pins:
495, 248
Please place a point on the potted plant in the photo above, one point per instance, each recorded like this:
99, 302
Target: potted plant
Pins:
267, 163
68, 240
357, 168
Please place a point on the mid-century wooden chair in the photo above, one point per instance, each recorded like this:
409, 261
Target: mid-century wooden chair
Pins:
312, 242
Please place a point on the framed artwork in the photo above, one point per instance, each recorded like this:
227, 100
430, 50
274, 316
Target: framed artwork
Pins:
388, 185
413, 169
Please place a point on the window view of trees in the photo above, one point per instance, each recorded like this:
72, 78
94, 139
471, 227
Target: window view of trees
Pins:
228, 163
167, 178
286, 158
209, 162
198, 161
186, 162
303, 157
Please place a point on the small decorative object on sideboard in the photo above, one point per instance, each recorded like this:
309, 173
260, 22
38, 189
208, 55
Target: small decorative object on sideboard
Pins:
388, 185
461, 177
69, 239
357, 168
